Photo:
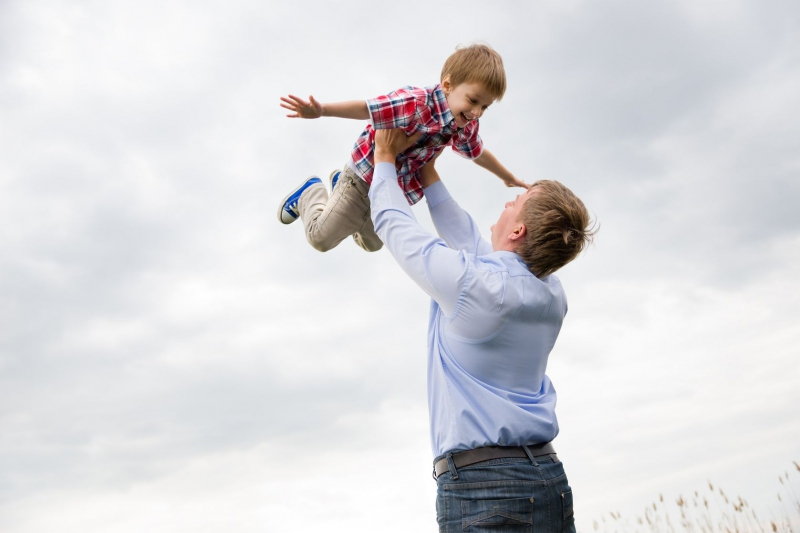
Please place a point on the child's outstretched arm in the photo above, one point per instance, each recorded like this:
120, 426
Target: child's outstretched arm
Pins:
488, 161
355, 109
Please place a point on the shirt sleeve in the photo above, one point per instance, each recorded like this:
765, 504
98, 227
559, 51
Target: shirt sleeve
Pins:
398, 109
454, 225
440, 271
467, 143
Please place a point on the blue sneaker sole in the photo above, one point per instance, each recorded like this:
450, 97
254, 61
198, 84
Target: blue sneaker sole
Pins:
333, 178
309, 182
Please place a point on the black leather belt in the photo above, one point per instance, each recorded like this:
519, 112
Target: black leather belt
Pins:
470, 457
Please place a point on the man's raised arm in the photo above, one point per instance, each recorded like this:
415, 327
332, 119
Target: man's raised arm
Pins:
452, 223
427, 260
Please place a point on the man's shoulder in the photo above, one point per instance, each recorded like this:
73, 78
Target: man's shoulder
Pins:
503, 261
510, 265
502, 284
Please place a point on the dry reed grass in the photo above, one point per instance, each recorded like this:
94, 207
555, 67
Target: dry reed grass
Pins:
712, 511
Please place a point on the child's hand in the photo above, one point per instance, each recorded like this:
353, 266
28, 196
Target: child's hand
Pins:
513, 181
300, 108
488, 161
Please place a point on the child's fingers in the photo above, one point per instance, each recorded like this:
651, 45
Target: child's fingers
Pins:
291, 107
296, 100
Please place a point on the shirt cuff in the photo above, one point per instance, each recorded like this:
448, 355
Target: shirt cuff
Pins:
436, 193
385, 171
369, 110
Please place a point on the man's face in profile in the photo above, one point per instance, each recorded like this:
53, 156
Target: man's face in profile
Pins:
510, 219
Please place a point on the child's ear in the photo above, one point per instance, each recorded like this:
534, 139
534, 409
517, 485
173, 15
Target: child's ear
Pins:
446, 85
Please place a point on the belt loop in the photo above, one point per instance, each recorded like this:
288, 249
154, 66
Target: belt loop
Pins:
452, 466
530, 455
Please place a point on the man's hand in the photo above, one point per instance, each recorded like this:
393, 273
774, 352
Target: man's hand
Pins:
300, 108
389, 143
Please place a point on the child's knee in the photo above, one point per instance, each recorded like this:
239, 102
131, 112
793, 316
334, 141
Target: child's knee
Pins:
321, 245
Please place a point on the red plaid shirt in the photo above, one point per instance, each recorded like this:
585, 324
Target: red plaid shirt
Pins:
415, 110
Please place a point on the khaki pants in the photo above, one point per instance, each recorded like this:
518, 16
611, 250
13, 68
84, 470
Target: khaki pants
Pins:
328, 220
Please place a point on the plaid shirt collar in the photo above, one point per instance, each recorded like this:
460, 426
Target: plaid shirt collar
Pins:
443, 113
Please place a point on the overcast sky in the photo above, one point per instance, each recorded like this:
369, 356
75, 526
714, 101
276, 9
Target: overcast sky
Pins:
174, 359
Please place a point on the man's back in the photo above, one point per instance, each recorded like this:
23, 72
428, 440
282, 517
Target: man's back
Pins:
506, 345
488, 352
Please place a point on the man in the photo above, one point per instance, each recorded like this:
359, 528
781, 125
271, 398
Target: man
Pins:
496, 312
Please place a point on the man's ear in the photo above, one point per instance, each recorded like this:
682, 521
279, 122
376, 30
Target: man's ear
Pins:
518, 232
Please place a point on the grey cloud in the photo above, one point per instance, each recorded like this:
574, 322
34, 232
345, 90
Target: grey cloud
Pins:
155, 313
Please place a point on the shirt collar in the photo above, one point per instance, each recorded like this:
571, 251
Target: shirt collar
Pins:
513, 258
510, 255
443, 113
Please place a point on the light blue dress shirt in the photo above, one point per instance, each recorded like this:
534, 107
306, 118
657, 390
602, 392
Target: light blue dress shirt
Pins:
492, 323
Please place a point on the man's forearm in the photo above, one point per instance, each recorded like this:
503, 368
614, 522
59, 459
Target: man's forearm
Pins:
355, 109
428, 175
452, 223
435, 268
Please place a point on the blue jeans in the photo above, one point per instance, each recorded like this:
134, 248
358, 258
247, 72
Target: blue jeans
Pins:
505, 496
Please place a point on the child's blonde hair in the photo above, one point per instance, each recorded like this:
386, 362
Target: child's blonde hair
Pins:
477, 63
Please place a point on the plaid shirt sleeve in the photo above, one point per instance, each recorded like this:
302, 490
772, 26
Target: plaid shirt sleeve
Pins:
398, 109
467, 143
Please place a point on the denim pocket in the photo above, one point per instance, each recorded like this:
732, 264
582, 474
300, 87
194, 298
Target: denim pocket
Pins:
514, 516
566, 505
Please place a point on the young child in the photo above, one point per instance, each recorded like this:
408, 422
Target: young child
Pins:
445, 114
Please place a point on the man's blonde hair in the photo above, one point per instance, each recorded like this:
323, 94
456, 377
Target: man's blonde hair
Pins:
477, 63
557, 228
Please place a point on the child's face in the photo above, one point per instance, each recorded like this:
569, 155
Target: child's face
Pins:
467, 100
